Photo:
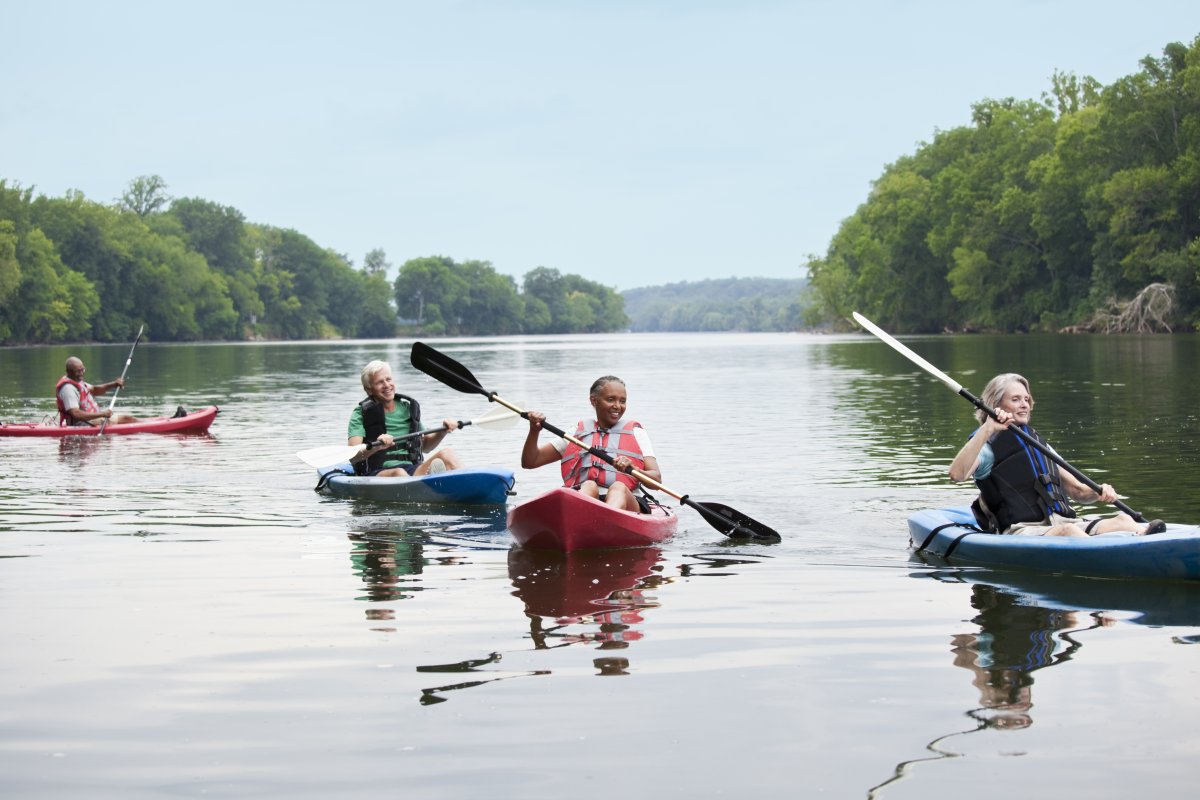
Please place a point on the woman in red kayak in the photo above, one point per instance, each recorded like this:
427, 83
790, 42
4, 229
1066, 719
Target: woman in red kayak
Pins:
625, 440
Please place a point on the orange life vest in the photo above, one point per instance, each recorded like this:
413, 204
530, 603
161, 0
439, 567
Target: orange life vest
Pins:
86, 401
579, 465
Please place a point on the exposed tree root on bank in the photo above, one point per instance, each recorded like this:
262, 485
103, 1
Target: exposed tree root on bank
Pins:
1150, 311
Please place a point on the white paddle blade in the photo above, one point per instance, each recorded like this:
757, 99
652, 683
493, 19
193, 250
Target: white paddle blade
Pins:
904, 351
499, 417
329, 455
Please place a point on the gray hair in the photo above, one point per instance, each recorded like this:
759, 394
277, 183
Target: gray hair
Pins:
601, 382
993, 393
372, 369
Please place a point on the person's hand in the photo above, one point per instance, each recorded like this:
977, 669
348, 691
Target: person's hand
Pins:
119, 383
1001, 421
450, 425
536, 418
1107, 494
385, 440
623, 463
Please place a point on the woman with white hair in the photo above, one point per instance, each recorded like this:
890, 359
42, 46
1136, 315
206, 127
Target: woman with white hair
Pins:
383, 419
1020, 489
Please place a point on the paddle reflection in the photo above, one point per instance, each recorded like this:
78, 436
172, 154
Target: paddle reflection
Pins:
1031, 622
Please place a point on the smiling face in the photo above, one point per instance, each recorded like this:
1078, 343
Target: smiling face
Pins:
609, 400
75, 369
1018, 401
381, 386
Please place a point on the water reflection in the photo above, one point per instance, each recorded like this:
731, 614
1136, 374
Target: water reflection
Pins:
604, 592
76, 450
389, 565
1031, 622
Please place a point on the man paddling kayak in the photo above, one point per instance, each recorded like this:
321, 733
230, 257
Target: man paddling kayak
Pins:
75, 398
1020, 489
384, 417
627, 442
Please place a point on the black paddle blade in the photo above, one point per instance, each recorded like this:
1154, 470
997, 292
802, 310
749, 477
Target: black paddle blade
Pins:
732, 522
445, 369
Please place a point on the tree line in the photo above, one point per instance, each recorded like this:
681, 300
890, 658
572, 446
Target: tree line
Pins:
1078, 211
726, 304
190, 269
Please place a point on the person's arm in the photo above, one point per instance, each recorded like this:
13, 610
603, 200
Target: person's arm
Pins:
651, 469
1082, 493
533, 456
431, 440
103, 388
962, 468
79, 415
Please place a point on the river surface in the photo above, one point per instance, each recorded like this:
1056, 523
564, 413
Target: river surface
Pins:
182, 616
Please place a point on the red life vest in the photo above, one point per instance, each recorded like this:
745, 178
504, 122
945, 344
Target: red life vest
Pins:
86, 402
578, 465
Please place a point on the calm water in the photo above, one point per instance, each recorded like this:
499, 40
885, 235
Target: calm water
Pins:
183, 616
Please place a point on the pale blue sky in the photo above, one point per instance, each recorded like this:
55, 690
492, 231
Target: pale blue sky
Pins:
631, 143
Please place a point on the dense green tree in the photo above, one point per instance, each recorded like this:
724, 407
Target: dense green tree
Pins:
1037, 215
219, 234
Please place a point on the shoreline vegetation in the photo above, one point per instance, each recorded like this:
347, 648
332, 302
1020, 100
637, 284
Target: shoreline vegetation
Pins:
1076, 213
73, 270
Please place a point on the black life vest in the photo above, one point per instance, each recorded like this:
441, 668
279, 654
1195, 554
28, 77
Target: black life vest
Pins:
375, 425
1023, 486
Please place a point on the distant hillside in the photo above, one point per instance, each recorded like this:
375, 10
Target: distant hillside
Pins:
729, 304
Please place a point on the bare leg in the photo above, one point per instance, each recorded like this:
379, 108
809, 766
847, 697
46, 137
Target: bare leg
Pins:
446, 455
591, 489
1066, 529
1121, 522
620, 496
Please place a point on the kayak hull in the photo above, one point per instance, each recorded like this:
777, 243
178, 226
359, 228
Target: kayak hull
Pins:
567, 520
949, 535
195, 422
476, 486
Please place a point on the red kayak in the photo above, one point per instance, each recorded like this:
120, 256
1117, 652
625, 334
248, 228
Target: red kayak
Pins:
568, 520
195, 422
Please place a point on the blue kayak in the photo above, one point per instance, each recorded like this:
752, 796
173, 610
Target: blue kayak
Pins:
950, 535
475, 486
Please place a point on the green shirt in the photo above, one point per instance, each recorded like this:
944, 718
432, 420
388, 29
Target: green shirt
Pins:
398, 422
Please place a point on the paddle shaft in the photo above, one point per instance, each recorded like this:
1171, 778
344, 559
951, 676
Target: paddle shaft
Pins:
128, 360
991, 412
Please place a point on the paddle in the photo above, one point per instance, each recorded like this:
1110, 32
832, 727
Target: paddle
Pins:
117, 391
957, 387
337, 453
728, 521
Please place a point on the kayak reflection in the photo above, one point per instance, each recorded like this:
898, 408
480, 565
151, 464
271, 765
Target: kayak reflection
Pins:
1029, 622
606, 590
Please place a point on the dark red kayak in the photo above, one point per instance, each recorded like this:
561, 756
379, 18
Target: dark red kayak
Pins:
567, 520
195, 422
